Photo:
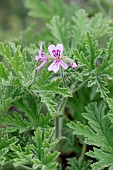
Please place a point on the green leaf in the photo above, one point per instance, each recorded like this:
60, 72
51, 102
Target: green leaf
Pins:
81, 129
110, 48
3, 153
89, 52
104, 71
21, 156
31, 117
16, 62
39, 9
60, 30
101, 84
43, 10
45, 119
46, 89
73, 164
78, 26
40, 153
8, 96
98, 133
5, 144
81, 58
91, 47
105, 159
44, 145
110, 103
3, 72
106, 67
5, 141
53, 87
100, 26
15, 121
97, 64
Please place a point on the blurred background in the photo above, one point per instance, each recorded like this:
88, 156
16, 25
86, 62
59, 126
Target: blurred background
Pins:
15, 16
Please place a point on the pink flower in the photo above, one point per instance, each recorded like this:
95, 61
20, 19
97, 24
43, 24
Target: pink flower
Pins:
56, 53
41, 58
57, 58
74, 65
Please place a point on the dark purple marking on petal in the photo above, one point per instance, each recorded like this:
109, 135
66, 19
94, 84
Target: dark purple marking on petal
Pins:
54, 53
42, 55
58, 52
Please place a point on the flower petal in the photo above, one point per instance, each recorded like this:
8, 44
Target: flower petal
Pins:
54, 66
74, 65
37, 57
59, 48
41, 57
52, 48
64, 65
51, 67
40, 50
41, 65
40, 53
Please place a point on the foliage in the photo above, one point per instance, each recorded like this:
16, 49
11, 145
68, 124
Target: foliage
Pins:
97, 63
103, 6
22, 87
98, 133
39, 154
73, 164
39, 9
5, 144
77, 26
20, 75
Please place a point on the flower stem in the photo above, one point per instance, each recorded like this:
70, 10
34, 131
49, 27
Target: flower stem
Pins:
82, 154
63, 78
81, 85
58, 120
25, 167
58, 129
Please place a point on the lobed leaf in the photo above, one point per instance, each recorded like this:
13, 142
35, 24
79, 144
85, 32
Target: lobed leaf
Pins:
98, 133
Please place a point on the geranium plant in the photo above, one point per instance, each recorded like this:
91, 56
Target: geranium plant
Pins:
56, 107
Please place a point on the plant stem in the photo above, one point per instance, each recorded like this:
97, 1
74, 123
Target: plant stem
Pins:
58, 120
10, 85
25, 167
81, 85
82, 154
63, 78
58, 125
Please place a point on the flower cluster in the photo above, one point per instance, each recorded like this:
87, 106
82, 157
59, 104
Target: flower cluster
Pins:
57, 58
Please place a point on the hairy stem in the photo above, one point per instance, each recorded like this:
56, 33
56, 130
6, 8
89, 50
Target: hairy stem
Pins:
26, 167
81, 85
58, 129
58, 119
63, 78
82, 154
